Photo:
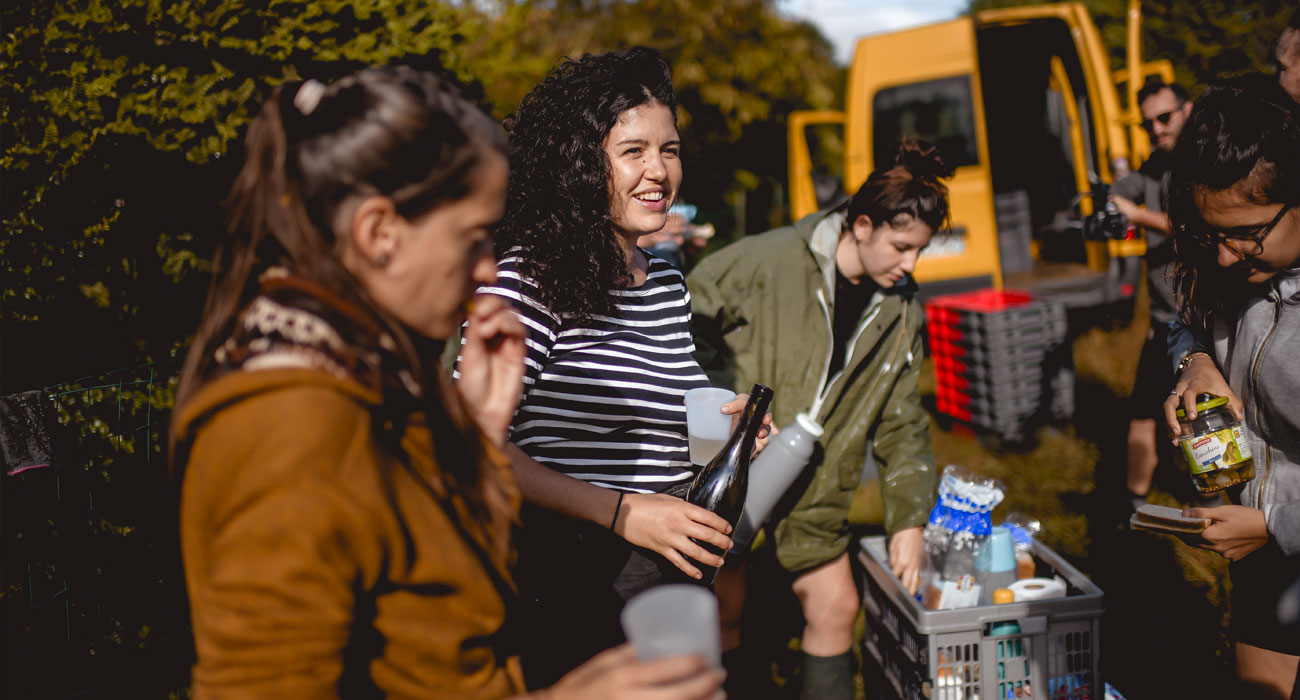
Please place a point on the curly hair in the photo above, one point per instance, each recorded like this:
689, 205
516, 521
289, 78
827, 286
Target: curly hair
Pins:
557, 210
1245, 135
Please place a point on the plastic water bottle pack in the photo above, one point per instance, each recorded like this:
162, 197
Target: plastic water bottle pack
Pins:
960, 524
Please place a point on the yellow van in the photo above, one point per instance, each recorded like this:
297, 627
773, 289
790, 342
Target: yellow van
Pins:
1023, 102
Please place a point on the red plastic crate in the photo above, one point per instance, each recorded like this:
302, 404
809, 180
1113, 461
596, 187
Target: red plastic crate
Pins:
989, 312
982, 301
1044, 327
992, 352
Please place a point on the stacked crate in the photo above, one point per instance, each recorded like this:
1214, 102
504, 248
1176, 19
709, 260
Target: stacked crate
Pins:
912, 653
1001, 360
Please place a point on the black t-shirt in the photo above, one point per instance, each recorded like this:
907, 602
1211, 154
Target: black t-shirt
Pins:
850, 302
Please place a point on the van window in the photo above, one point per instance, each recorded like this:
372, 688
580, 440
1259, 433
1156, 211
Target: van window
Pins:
938, 111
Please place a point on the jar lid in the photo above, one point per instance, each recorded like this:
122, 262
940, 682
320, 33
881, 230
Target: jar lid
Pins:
1206, 404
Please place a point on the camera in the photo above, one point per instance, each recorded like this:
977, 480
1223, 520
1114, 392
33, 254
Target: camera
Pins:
1105, 221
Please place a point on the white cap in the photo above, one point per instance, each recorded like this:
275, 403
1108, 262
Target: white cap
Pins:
809, 425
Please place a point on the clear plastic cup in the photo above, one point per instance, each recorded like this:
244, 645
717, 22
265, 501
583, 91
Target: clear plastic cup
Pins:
995, 563
674, 619
707, 427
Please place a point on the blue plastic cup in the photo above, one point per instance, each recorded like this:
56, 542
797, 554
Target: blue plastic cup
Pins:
998, 552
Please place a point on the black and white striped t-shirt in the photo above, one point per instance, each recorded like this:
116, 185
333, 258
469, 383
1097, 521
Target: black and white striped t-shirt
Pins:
603, 400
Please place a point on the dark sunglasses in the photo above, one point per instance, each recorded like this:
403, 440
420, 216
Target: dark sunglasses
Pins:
1163, 118
1236, 238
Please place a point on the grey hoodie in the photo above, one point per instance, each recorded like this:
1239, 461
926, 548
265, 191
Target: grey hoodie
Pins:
1259, 351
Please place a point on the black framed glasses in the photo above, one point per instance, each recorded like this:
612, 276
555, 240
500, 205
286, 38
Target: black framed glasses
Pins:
1246, 241
1163, 118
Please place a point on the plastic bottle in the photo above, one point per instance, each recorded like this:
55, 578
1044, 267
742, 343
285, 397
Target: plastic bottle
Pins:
995, 563
1002, 596
771, 474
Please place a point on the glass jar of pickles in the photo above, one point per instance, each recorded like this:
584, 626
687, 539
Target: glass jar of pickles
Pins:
1214, 446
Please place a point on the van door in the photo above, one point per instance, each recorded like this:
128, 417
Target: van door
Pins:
1140, 143
804, 170
1108, 134
924, 83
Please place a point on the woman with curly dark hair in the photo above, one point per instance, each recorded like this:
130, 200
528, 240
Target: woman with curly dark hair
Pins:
599, 442
346, 512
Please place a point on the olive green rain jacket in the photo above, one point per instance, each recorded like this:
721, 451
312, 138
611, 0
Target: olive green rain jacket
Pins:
762, 310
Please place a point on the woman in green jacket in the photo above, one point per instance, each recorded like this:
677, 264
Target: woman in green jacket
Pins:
824, 311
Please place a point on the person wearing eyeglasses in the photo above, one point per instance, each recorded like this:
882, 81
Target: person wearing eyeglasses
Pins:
1186, 349
1164, 111
1234, 205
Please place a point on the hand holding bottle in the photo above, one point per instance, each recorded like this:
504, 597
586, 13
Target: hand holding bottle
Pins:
735, 406
667, 525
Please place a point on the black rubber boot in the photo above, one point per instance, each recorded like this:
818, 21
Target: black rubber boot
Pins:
827, 677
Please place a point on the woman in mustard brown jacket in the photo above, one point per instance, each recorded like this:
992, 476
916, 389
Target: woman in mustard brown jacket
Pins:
346, 511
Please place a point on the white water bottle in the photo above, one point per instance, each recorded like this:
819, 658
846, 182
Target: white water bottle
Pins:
771, 473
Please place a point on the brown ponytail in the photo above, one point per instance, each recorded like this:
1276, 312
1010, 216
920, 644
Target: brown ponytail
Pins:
395, 132
910, 187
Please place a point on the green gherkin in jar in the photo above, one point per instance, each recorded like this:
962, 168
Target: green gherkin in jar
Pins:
1214, 447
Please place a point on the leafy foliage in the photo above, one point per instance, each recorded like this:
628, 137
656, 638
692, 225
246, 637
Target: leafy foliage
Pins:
120, 132
92, 596
118, 121
121, 124
1204, 41
739, 67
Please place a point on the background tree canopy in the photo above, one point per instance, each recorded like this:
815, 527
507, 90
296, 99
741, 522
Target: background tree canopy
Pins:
122, 120
1205, 40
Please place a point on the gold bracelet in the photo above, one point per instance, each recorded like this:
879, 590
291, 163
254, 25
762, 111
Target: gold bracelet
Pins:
1187, 360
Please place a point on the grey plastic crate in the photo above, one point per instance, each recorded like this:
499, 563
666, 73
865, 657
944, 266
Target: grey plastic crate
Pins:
980, 372
1060, 382
913, 653
1029, 352
1015, 229
1036, 312
1047, 317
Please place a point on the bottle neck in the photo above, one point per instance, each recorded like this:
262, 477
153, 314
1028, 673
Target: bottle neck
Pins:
751, 419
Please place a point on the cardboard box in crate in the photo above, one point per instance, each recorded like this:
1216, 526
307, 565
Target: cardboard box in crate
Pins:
912, 653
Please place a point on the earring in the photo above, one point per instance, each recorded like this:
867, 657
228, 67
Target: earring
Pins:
382, 259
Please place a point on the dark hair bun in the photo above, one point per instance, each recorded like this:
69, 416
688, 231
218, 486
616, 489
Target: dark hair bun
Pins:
922, 160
